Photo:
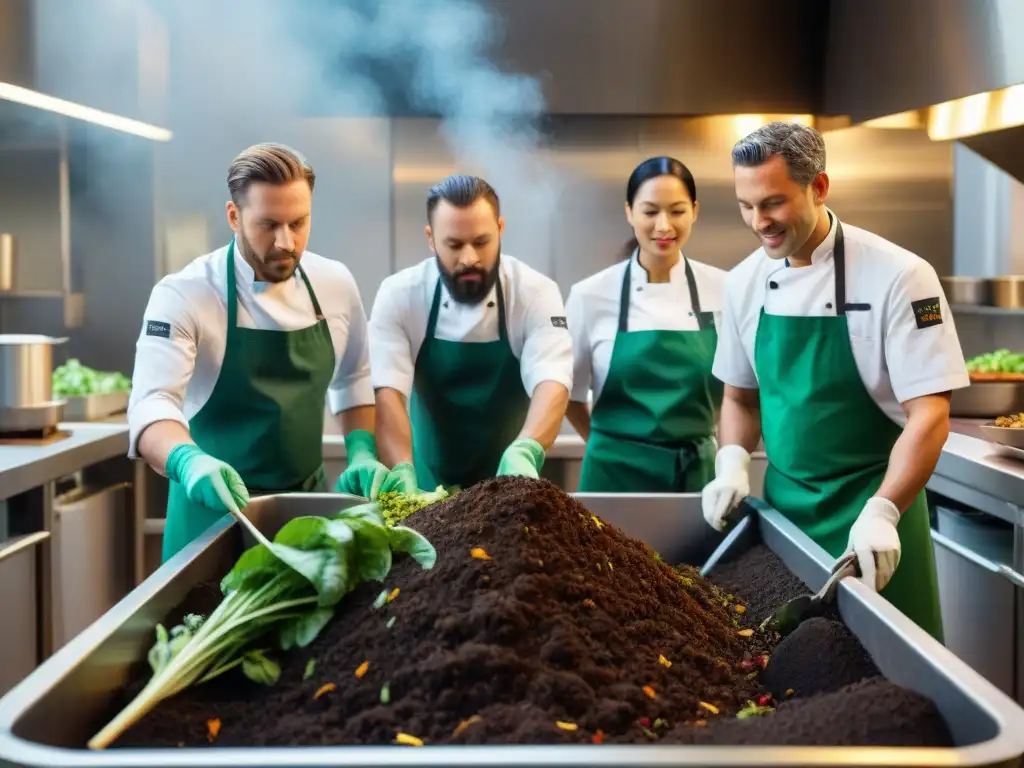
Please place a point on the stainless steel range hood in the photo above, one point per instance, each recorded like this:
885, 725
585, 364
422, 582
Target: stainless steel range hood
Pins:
954, 67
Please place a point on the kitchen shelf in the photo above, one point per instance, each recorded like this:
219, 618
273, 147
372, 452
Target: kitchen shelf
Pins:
978, 309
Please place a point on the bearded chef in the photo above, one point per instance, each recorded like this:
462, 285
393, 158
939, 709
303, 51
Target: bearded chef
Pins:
470, 352
238, 351
838, 348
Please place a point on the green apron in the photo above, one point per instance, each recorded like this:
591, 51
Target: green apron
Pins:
265, 416
468, 404
828, 445
652, 427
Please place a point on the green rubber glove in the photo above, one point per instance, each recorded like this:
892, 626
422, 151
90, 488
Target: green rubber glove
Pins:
364, 474
401, 478
207, 481
524, 457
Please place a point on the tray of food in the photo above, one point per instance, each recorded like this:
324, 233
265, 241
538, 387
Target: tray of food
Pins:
529, 627
90, 394
1006, 430
997, 386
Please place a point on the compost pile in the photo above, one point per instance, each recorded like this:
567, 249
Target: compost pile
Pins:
541, 623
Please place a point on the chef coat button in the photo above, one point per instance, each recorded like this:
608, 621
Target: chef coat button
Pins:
828, 305
639, 288
446, 305
490, 303
773, 284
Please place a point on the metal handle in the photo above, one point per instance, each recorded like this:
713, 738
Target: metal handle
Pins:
1016, 578
964, 552
21, 543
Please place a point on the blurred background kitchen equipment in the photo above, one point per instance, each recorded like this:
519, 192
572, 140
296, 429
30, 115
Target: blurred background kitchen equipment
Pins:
7, 265
967, 291
26, 383
1008, 291
987, 399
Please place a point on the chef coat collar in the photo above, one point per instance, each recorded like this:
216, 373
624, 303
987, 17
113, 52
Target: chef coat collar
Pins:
638, 272
827, 246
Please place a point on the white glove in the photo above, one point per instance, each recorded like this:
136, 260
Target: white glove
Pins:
730, 486
876, 542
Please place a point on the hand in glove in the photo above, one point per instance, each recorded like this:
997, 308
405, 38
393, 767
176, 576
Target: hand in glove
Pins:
207, 481
364, 474
401, 478
876, 542
523, 457
730, 486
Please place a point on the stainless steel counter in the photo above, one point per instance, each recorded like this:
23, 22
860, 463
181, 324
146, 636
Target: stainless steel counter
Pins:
24, 467
972, 472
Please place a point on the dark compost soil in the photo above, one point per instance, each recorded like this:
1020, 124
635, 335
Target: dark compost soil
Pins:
570, 632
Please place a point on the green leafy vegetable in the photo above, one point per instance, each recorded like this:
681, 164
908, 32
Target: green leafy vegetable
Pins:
75, 379
287, 590
1000, 361
397, 506
753, 710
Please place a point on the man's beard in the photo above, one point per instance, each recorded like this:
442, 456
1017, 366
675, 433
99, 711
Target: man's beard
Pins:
276, 267
469, 291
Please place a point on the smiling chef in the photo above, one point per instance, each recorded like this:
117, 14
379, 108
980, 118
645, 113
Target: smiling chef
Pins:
238, 351
470, 352
838, 348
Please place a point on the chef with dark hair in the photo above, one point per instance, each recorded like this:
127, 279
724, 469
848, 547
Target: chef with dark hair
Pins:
838, 347
470, 352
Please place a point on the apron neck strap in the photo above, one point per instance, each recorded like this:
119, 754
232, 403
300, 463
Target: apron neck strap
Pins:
839, 262
691, 283
435, 308
233, 290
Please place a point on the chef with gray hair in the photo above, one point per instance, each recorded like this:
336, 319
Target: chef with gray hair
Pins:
838, 348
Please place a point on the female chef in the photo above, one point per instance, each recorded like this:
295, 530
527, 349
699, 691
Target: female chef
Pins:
644, 342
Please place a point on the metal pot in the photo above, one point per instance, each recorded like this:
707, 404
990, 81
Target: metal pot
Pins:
7, 256
967, 291
26, 370
1008, 291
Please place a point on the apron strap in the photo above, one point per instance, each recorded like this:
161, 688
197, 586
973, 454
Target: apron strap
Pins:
839, 261
624, 296
435, 308
233, 291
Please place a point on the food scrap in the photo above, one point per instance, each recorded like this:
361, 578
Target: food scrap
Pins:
566, 726
391, 622
598, 737
790, 691
381, 599
325, 688
385, 693
212, 729
589, 603
310, 669
393, 594
649, 692
740, 609
361, 669
663, 661
465, 724
407, 740
746, 633
597, 522
709, 707
479, 554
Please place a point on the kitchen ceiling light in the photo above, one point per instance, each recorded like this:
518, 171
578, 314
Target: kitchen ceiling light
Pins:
38, 100
978, 113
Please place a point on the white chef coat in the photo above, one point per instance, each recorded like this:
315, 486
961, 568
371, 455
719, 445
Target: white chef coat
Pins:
174, 377
593, 311
897, 360
534, 312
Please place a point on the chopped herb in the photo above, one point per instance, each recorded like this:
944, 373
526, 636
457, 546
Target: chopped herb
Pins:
310, 669
385, 693
382, 598
391, 622
396, 506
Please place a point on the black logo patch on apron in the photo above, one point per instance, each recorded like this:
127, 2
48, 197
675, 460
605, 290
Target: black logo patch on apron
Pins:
157, 328
927, 312
560, 322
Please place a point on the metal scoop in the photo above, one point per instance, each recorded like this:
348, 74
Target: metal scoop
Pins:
792, 614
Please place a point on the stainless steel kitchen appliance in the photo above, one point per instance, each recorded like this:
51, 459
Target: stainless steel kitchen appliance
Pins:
55, 710
26, 383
